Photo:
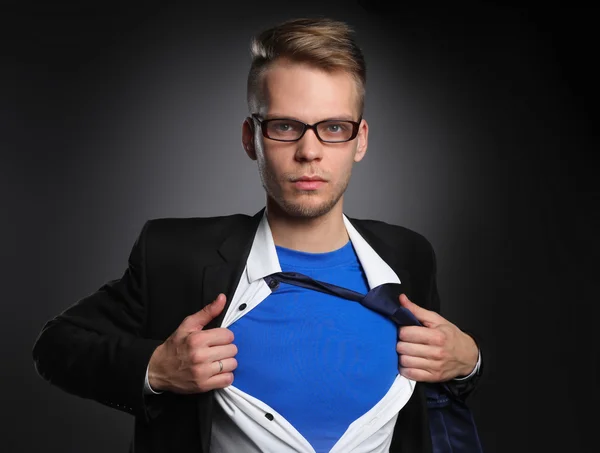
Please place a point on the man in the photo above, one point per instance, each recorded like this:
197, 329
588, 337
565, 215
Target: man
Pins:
208, 356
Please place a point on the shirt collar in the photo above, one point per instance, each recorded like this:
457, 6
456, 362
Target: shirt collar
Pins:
263, 261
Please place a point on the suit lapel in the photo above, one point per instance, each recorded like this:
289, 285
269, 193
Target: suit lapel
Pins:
223, 278
411, 432
386, 251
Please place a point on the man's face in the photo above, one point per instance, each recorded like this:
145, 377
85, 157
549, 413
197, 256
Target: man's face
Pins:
307, 94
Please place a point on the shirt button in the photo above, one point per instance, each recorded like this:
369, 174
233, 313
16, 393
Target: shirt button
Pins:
242, 307
269, 416
273, 284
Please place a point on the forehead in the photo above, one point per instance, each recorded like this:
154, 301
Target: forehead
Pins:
308, 93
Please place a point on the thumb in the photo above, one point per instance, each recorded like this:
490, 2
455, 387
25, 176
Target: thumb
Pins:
427, 317
201, 318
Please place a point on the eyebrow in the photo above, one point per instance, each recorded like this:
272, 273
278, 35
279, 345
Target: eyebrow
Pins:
290, 117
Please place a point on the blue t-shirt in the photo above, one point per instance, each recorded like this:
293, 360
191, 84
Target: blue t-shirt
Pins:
318, 360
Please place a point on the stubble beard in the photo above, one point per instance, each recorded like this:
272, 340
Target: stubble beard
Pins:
300, 204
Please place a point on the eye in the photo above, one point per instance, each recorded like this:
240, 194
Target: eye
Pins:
283, 126
336, 128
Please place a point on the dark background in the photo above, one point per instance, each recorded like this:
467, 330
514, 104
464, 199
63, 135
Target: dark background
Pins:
483, 136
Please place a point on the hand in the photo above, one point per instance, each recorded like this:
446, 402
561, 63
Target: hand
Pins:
435, 352
188, 361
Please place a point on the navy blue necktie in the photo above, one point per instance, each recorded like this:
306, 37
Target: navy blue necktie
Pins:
451, 423
382, 299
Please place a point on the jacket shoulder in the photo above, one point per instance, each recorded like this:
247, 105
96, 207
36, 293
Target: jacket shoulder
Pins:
179, 225
394, 235
193, 230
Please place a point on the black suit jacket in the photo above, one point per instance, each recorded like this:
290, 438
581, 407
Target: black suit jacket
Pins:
99, 348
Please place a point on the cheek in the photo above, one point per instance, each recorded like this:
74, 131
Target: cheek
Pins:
261, 156
274, 157
269, 165
345, 168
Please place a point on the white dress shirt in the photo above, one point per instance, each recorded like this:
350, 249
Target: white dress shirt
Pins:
242, 423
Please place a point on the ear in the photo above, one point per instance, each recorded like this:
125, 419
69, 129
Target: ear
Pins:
362, 141
248, 138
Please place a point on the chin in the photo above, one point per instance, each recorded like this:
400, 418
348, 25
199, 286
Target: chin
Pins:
306, 208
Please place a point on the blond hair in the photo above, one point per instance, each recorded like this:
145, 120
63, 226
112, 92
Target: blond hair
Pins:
323, 43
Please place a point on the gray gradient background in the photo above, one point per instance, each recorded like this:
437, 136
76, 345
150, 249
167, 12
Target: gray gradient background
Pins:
482, 135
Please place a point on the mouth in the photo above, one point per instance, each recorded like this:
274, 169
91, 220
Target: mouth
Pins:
309, 183
309, 178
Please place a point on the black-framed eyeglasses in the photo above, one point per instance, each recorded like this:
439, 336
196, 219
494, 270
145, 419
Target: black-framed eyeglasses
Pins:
328, 131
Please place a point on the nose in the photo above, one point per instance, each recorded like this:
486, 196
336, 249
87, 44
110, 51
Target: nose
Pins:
309, 147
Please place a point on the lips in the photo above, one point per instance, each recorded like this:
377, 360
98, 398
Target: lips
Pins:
309, 178
309, 184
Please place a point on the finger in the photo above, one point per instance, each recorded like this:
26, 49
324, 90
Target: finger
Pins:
225, 366
218, 336
418, 350
407, 361
426, 317
222, 352
421, 335
218, 381
417, 375
201, 318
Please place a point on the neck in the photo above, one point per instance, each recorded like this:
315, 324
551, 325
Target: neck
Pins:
321, 234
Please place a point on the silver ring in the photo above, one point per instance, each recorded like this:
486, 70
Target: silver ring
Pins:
220, 366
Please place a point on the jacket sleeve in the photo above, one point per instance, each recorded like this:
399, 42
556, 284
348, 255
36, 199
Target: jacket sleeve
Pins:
459, 388
95, 349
